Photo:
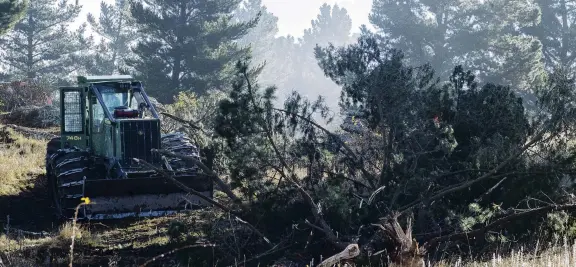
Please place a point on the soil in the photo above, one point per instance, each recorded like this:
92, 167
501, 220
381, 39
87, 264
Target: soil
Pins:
30, 216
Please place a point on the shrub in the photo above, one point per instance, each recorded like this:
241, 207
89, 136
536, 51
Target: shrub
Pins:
24, 93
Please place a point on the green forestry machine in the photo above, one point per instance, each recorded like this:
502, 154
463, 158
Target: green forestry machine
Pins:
106, 123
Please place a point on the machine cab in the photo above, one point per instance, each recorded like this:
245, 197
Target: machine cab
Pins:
118, 101
118, 97
111, 115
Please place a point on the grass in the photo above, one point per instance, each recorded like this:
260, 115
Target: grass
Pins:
93, 242
556, 256
21, 161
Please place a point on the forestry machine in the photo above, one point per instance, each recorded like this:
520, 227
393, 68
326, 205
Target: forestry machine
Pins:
106, 123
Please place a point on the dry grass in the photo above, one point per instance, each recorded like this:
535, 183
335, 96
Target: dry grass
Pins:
21, 161
83, 236
556, 256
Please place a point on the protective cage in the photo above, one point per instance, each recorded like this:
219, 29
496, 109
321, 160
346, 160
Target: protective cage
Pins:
72, 110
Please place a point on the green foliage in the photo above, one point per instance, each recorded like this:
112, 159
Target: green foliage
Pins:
409, 143
41, 46
560, 225
416, 136
198, 110
555, 31
116, 27
196, 116
332, 25
289, 61
176, 230
11, 11
189, 45
479, 215
484, 37
243, 122
262, 37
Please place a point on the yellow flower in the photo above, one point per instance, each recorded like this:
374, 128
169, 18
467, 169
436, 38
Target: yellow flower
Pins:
86, 200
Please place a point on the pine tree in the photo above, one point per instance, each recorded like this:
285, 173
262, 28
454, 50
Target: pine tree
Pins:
189, 45
484, 37
261, 39
11, 11
556, 32
331, 26
284, 69
41, 46
116, 27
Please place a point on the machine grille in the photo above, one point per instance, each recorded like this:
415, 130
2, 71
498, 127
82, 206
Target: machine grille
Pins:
137, 138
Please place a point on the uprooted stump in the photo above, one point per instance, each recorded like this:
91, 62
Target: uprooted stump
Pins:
403, 250
33, 116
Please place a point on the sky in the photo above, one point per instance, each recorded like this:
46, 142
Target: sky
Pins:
293, 15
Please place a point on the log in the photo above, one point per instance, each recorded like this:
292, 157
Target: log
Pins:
350, 252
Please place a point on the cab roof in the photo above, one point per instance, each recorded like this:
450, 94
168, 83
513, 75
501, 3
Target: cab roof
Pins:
104, 78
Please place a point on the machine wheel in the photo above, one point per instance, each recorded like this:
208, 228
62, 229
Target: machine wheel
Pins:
52, 147
68, 169
180, 143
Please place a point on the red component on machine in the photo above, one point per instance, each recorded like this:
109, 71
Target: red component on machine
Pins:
125, 113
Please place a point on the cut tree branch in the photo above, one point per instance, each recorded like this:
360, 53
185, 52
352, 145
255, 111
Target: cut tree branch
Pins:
350, 252
223, 186
351, 153
191, 124
205, 198
489, 174
292, 177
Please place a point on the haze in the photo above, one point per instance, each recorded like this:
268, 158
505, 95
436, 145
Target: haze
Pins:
293, 15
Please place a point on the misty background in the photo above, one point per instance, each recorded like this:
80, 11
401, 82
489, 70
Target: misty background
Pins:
511, 43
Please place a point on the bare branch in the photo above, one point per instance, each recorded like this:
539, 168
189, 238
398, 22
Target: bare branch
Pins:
491, 189
191, 124
223, 186
273, 250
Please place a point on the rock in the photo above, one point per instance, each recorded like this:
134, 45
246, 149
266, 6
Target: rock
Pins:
33, 116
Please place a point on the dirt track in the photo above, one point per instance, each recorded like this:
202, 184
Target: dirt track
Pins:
130, 242
30, 210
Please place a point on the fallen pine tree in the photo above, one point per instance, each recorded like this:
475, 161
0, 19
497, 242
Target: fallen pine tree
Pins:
301, 191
